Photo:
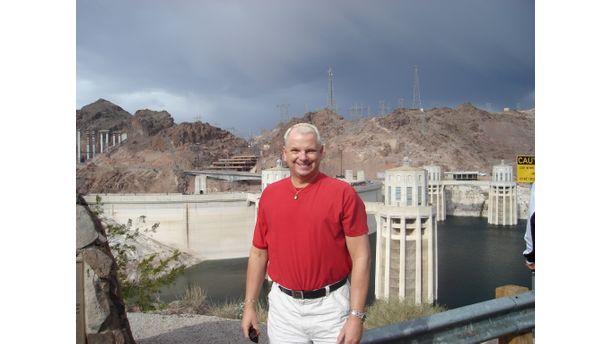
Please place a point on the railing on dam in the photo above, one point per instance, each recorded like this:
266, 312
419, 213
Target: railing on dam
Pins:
470, 324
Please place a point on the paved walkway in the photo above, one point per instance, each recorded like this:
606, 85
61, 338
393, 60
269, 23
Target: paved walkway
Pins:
186, 329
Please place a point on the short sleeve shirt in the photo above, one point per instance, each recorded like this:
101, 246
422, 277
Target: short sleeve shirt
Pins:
306, 237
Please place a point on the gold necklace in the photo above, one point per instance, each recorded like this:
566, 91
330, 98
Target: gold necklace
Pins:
295, 195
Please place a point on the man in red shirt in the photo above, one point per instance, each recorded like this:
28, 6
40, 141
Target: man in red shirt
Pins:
311, 234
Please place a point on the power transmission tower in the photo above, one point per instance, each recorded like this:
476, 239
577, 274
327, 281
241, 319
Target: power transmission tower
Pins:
382, 107
416, 90
284, 110
331, 102
416, 98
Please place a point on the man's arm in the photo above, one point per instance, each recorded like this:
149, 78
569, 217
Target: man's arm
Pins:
359, 249
256, 269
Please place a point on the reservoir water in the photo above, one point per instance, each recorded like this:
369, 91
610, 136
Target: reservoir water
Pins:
474, 259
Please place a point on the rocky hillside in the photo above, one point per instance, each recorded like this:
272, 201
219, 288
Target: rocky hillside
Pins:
158, 150
464, 138
155, 154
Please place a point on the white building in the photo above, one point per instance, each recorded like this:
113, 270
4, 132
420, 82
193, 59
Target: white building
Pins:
273, 174
502, 196
406, 238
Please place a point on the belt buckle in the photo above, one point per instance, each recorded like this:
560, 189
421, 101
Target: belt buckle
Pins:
297, 294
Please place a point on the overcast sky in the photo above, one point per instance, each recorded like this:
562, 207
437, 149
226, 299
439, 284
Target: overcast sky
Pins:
234, 63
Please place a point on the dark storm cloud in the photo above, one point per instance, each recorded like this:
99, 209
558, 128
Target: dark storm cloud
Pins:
233, 62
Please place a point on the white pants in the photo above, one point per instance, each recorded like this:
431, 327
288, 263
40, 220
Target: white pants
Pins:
307, 320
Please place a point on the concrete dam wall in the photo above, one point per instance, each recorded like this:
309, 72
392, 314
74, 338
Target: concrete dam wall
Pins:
218, 226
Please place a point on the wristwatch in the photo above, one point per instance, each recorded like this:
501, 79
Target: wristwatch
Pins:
361, 315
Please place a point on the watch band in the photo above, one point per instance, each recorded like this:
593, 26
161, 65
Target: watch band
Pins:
361, 315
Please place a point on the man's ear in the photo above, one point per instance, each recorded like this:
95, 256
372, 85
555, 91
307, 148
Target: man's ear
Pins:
284, 155
322, 149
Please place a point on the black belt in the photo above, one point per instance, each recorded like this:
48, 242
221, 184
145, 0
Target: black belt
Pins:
312, 294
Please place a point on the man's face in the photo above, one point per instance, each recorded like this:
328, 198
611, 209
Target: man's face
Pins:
302, 154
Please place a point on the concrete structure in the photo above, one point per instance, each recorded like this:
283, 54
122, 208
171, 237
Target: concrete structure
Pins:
107, 139
406, 238
435, 191
78, 157
200, 186
242, 163
502, 196
212, 226
462, 175
215, 226
350, 177
103, 140
87, 143
273, 174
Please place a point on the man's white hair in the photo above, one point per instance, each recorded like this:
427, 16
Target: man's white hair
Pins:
304, 128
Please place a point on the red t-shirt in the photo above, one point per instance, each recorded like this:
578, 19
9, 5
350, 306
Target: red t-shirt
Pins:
305, 238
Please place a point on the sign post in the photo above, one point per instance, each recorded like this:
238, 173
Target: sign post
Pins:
525, 168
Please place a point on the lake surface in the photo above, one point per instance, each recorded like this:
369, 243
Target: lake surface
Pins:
474, 259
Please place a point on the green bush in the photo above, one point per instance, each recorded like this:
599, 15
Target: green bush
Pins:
152, 272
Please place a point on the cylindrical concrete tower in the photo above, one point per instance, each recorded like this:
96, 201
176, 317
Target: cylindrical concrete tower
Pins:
405, 186
87, 143
104, 141
502, 196
78, 142
406, 238
435, 189
200, 185
273, 174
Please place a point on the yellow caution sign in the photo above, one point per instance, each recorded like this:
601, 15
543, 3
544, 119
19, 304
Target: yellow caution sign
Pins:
525, 168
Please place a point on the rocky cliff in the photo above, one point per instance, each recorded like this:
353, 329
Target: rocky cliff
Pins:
158, 150
464, 138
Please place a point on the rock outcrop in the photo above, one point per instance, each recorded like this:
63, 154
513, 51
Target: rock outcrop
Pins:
149, 123
156, 152
104, 115
103, 318
464, 138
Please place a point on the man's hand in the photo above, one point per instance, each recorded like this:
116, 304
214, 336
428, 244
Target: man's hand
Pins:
249, 318
530, 266
256, 268
351, 332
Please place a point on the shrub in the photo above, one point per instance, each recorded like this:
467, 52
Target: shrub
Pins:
141, 281
385, 312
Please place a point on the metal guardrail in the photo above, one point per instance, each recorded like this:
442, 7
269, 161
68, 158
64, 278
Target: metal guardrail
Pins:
469, 324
